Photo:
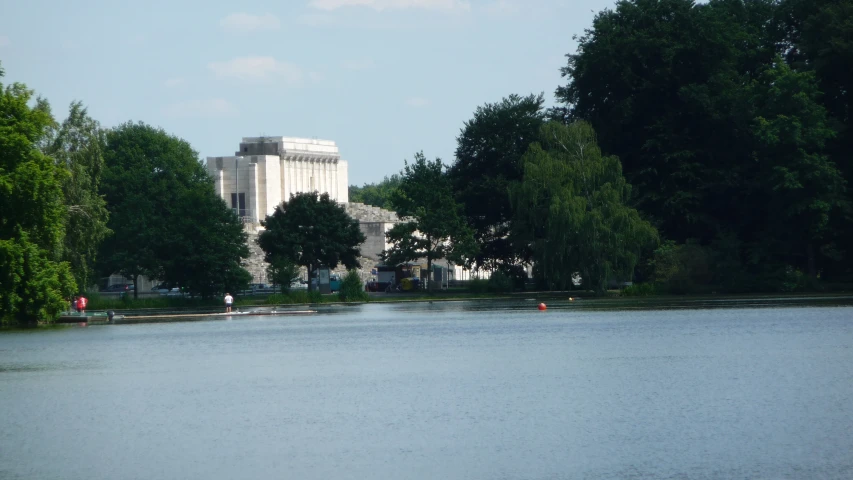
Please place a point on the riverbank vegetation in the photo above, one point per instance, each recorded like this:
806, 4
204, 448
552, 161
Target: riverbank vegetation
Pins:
694, 147
729, 124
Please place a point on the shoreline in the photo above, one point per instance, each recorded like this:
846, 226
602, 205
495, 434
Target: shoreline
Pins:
580, 301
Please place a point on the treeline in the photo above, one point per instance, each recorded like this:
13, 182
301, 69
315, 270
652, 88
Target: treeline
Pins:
376, 194
696, 147
79, 202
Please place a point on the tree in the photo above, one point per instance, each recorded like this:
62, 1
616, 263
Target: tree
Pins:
571, 207
282, 271
34, 282
352, 289
168, 222
376, 194
206, 244
662, 83
433, 227
311, 231
76, 146
817, 39
801, 186
488, 163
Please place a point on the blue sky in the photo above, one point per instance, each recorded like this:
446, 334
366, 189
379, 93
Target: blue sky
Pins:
382, 78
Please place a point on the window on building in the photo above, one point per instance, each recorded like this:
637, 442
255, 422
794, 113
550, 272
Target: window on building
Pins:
238, 204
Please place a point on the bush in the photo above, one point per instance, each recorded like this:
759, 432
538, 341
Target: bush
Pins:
352, 290
478, 286
681, 269
639, 290
297, 297
500, 282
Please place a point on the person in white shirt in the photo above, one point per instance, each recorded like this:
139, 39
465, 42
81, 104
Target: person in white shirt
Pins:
228, 301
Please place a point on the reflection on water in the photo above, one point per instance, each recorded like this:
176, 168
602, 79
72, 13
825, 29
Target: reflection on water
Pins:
747, 388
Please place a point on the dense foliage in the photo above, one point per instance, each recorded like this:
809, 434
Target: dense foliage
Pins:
313, 231
352, 288
34, 280
571, 208
168, 222
432, 226
488, 163
76, 145
731, 119
376, 194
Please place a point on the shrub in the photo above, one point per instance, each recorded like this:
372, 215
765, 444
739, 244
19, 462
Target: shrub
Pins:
683, 268
295, 296
500, 282
478, 286
639, 290
352, 290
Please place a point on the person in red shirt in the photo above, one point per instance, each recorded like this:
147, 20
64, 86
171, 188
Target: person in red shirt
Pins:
81, 304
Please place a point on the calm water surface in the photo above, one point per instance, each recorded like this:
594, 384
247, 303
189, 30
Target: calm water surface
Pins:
438, 391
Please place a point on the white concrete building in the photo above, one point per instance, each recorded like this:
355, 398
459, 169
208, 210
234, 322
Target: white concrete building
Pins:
267, 170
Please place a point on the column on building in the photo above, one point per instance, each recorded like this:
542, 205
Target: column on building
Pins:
343, 188
273, 186
252, 202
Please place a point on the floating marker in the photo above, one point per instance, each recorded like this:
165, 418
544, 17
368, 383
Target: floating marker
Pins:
542, 306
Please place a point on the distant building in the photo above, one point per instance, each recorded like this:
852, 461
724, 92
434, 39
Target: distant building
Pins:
265, 171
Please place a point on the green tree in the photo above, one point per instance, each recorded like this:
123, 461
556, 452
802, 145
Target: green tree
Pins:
488, 163
800, 185
311, 231
206, 244
376, 194
818, 39
662, 82
433, 225
167, 221
352, 289
34, 282
571, 207
283, 272
76, 146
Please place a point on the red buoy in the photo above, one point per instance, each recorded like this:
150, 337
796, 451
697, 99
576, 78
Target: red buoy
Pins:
542, 306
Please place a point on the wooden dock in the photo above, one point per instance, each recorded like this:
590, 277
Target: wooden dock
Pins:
102, 319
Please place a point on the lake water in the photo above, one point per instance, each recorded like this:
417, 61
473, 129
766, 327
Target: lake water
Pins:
750, 389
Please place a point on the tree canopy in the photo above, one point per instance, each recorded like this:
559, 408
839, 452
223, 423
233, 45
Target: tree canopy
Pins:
34, 281
432, 226
313, 231
488, 163
167, 221
724, 140
571, 207
76, 145
376, 194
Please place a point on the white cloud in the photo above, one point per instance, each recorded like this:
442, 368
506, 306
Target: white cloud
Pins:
357, 64
417, 102
261, 69
379, 5
174, 82
213, 107
246, 22
4, 41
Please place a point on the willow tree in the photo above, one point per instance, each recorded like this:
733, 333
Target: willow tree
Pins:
76, 146
571, 208
34, 281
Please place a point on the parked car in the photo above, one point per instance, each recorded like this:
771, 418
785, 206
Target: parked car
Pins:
119, 287
299, 285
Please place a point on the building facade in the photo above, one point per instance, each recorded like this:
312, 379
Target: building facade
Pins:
265, 171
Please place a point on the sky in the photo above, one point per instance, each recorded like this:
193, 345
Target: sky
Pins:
382, 78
